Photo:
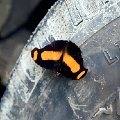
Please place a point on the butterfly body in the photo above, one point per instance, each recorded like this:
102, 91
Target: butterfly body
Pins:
61, 56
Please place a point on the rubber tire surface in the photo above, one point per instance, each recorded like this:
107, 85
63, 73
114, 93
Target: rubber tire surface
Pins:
34, 93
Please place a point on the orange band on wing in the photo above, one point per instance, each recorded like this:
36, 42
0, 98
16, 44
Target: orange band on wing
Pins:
80, 75
51, 55
71, 63
35, 54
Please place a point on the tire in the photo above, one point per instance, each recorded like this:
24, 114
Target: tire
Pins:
33, 93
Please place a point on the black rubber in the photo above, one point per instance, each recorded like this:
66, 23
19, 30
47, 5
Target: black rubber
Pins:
33, 93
